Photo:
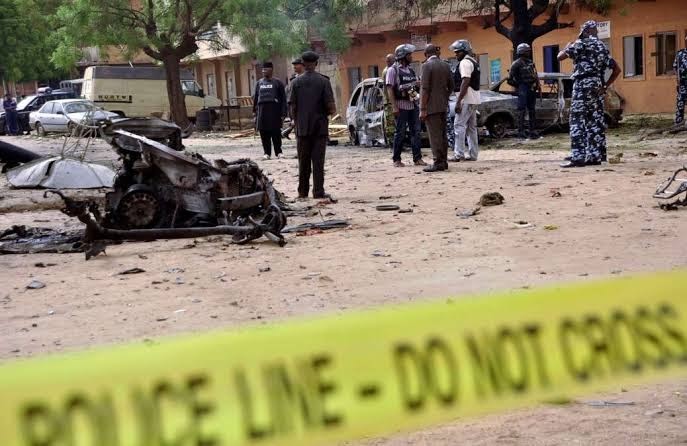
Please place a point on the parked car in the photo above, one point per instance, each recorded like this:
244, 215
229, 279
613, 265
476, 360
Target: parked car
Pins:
496, 115
32, 103
66, 115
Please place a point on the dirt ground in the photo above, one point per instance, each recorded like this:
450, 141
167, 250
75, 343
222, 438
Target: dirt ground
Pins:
604, 223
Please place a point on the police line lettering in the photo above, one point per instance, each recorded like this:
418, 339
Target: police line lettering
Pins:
360, 374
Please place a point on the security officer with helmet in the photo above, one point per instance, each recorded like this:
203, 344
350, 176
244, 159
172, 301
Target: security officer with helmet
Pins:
402, 89
467, 82
523, 76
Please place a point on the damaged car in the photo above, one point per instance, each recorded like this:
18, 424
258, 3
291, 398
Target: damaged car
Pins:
496, 115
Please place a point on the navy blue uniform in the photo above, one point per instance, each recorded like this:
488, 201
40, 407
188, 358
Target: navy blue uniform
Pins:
269, 105
587, 128
680, 67
523, 75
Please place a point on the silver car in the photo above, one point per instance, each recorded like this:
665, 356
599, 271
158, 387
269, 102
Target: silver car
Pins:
67, 116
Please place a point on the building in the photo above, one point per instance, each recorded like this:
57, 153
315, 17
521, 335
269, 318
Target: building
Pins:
642, 36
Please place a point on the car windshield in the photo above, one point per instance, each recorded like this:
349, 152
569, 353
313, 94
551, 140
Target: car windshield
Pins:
79, 107
26, 101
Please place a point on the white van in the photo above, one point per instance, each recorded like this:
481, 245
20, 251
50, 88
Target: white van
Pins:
140, 91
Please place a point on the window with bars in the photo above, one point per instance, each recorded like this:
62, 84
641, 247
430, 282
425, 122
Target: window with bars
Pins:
666, 47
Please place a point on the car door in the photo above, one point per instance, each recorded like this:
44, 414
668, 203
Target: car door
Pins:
44, 114
60, 118
547, 104
374, 115
352, 110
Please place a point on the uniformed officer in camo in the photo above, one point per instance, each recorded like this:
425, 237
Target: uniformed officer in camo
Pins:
587, 129
680, 67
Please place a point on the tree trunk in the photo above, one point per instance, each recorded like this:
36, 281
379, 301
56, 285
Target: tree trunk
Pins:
177, 102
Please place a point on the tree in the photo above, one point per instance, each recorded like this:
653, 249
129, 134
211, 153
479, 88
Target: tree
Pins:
169, 30
26, 40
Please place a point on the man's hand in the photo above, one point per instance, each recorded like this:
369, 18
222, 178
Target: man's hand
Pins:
396, 111
459, 107
423, 115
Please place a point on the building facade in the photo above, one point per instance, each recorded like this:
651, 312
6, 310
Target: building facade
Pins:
642, 37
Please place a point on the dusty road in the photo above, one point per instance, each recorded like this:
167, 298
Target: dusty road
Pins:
605, 223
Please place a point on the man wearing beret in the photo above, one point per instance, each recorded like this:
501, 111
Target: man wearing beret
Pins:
311, 101
269, 107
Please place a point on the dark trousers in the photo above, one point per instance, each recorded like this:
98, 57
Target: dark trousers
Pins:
11, 122
269, 137
436, 127
411, 119
311, 152
527, 100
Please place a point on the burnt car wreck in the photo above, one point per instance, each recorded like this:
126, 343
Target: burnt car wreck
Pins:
161, 193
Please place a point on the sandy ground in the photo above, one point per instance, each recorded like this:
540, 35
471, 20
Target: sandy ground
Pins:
606, 224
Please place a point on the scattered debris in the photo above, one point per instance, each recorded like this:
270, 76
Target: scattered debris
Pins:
35, 285
405, 211
550, 227
22, 240
264, 269
388, 207
651, 413
648, 154
59, 172
469, 212
491, 199
379, 253
609, 403
132, 271
671, 188
616, 159
555, 193
322, 226
522, 224
175, 270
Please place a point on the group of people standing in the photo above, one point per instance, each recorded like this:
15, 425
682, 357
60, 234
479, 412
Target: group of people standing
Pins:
412, 100
308, 100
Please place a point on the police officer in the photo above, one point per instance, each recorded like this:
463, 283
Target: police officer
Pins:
402, 90
467, 81
587, 130
311, 100
10, 107
269, 107
680, 67
523, 76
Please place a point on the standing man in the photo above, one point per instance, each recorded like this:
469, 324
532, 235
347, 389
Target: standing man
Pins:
524, 77
467, 80
269, 108
401, 84
311, 101
587, 130
680, 67
298, 69
389, 118
437, 86
10, 107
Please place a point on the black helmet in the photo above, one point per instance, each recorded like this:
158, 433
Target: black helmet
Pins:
461, 45
402, 51
522, 49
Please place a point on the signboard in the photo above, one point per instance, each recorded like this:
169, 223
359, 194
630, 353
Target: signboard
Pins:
495, 69
604, 30
419, 40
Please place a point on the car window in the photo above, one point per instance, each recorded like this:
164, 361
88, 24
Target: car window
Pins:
355, 97
375, 100
47, 108
26, 101
78, 107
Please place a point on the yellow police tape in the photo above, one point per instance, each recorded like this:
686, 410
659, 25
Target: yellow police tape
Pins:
359, 374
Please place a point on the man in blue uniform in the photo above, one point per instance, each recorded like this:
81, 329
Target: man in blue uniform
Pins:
269, 107
587, 130
680, 67
523, 76
10, 107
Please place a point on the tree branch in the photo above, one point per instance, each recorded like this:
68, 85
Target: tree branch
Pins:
538, 8
200, 22
552, 22
500, 28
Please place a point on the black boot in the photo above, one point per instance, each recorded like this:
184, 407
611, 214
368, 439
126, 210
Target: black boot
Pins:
533, 123
521, 124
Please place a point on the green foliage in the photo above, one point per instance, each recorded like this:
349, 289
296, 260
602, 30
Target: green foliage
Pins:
26, 39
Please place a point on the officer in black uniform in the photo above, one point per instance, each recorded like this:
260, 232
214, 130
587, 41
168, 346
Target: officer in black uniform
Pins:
523, 76
269, 107
311, 101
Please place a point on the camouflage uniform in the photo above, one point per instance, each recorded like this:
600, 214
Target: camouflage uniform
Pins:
389, 118
680, 67
587, 128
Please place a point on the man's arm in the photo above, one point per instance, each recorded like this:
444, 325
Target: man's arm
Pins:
255, 98
390, 81
465, 72
568, 52
451, 83
329, 99
281, 95
425, 89
614, 74
292, 100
